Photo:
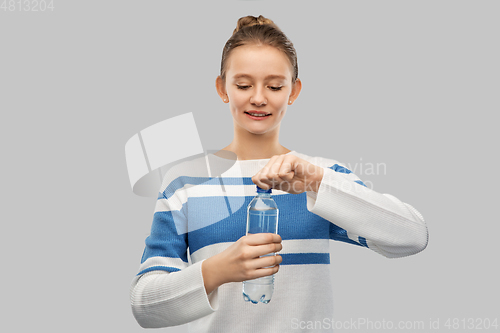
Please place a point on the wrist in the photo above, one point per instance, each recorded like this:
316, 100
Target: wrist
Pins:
318, 177
210, 276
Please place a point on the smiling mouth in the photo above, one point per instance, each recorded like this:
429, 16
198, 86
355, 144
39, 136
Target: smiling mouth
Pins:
263, 115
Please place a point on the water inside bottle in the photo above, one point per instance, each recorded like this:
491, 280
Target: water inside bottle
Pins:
259, 290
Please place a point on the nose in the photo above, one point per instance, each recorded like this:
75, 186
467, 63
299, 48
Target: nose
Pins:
258, 97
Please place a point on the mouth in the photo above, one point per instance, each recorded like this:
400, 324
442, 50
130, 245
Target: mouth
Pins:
258, 115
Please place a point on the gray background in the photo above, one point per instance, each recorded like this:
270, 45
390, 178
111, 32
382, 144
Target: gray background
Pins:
413, 85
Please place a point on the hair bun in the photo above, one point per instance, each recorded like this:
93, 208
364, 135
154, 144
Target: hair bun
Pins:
248, 21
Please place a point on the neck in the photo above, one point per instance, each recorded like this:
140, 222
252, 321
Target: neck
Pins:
249, 146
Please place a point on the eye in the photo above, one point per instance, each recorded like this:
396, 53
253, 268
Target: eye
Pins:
246, 87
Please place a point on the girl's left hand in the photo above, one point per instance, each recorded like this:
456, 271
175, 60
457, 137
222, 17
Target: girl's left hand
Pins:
289, 173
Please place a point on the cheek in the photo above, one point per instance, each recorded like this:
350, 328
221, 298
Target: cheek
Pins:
239, 105
280, 104
236, 98
281, 100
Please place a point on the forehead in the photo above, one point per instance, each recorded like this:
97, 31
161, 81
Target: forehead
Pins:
259, 62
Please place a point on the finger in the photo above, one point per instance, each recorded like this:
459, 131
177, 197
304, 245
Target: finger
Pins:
260, 272
266, 249
275, 167
286, 171
262, 182
262, 238
250, 253
272, 182
266, 168
263, 250
265, 262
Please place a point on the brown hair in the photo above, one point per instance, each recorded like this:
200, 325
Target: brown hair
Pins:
251, 30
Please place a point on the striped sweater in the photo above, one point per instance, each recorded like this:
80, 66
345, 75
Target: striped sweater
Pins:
198, 215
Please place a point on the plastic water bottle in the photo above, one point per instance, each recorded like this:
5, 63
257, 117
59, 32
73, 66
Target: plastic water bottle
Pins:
262, 216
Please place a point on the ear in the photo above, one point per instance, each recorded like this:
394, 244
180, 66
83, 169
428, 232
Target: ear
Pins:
221, 87
296, 88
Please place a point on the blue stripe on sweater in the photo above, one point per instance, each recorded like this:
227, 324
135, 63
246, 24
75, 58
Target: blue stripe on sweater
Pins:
159, 268
360, 182
362, 240
339, 168
305, 258
339, 234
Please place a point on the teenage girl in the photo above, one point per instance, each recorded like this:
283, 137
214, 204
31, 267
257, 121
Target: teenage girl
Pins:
319, 199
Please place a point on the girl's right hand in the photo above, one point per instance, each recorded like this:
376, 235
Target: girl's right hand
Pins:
241, 262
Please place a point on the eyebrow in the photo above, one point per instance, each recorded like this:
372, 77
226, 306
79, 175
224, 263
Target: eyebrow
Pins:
272, 76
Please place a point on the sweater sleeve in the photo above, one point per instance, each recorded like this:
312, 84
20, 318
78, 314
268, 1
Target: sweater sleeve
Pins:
365, 217
168, 291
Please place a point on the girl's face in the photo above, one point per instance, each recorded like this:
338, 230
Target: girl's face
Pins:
258, 78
